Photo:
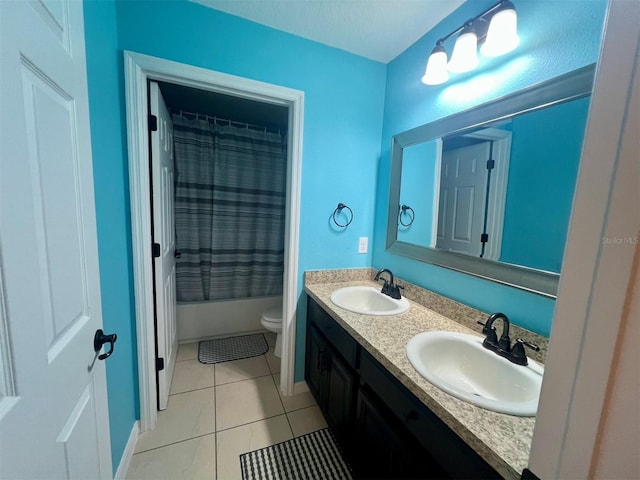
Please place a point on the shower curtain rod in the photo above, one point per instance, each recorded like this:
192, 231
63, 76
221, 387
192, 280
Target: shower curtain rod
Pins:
215, 119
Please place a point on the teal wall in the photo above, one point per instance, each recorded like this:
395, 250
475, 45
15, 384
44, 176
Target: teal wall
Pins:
343, 106
108, 143
555, 38
342, 114
545, 155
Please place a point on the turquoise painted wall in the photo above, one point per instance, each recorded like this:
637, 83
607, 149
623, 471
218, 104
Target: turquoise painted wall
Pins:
112, 211
555, 38
344, 100
545, 155
342, 117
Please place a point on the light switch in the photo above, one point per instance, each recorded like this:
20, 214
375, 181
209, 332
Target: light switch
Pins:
363, 244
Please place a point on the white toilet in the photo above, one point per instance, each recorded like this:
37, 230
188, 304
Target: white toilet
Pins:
272, 321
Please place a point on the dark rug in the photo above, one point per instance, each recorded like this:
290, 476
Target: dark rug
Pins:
313, 456
232, 348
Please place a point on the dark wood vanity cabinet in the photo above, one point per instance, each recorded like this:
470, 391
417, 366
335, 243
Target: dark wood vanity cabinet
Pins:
383, 429
330, 371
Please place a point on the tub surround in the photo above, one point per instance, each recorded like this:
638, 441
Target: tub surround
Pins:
503, 441
200, 320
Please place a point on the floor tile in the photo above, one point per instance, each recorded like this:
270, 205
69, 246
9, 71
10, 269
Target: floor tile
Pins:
271, 339
227, 372
306, 420
187, 351
192, 375
191, 459
243, 439
294, 402
273, 361
246, 401
188, 415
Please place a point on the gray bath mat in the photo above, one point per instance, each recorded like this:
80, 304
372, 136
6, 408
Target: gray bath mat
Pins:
232, 348
313, 456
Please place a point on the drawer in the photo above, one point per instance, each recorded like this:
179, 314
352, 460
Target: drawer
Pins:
337, 336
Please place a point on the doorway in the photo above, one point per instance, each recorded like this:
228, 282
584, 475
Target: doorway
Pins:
218, 169
138, 70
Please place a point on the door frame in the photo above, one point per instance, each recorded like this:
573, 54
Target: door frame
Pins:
592, 294
139, 68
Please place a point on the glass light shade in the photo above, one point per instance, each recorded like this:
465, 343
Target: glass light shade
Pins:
436, 72
465, 52
502, 36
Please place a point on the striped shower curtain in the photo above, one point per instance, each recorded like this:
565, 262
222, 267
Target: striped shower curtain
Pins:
230, 210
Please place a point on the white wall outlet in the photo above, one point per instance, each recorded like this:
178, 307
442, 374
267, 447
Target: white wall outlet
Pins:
363, 244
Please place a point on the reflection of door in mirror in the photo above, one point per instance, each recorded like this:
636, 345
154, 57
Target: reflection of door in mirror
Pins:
463, 191
473, 188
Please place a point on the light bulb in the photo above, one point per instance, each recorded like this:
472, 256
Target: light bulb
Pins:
436, 72
502, 36
465, 52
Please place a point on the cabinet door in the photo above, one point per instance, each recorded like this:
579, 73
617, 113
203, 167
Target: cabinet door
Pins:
315, 364
340, 385
384, 450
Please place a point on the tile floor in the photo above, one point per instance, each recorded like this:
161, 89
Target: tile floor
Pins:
215, 413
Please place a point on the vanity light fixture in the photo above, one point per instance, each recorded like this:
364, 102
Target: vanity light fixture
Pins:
495, 29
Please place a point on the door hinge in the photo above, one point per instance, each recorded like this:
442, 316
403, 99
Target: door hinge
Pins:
491, 164
159, 364
156, 250
153, 123
484, 238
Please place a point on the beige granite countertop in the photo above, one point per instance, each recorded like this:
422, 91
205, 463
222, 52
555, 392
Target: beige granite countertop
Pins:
502, 440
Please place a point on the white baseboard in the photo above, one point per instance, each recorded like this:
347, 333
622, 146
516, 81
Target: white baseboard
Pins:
300, 387
127, 455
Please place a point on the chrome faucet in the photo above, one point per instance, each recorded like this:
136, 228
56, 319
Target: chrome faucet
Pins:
389, 288
503, 347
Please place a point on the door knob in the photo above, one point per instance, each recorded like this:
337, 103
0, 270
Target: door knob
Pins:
100, 339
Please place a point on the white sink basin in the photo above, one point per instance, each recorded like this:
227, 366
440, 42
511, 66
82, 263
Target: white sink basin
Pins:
368, 301
458, 364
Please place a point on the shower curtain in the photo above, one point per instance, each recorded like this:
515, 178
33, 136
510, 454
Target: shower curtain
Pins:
230, 210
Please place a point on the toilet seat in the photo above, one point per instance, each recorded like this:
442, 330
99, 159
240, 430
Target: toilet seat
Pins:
273, 314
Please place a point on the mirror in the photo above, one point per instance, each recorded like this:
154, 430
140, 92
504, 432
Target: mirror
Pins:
489, 191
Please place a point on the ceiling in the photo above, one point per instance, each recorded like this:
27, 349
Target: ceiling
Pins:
376, 29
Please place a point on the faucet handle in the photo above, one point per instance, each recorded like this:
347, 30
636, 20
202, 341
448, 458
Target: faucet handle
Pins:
517, 351
532, 346
486, 329
394, 291
490, 332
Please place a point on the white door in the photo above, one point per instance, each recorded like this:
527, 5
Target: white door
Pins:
162, 178
53, 402
463, 188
